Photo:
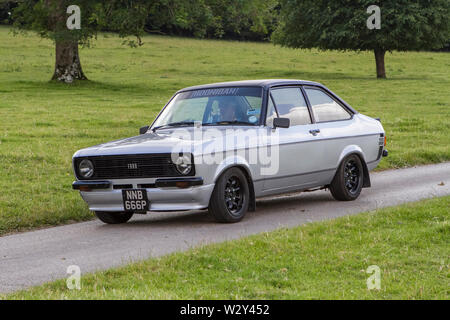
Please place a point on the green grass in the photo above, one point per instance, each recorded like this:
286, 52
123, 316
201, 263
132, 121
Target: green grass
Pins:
44, 123
323, 260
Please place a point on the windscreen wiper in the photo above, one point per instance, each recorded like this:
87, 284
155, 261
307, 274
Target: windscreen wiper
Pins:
175, 124
224, 123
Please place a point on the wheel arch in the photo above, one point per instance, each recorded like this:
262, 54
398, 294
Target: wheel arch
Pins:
354, 149
246, 171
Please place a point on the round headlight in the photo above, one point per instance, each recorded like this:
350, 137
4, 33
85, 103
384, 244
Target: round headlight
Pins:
86, 168
184, 165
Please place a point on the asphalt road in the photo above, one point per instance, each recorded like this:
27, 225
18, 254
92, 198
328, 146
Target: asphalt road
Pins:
36, 257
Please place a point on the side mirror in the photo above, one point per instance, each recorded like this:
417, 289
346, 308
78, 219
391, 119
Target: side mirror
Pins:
281, 122
143, 130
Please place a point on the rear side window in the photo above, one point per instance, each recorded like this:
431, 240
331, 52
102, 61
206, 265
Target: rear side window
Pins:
291, 104
324, 107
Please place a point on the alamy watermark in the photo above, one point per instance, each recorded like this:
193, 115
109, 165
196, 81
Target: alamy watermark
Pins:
374, 281
256, 146
73, 282
374, 20
74, 20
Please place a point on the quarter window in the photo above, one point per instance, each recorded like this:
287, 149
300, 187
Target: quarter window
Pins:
324, 107
291, 104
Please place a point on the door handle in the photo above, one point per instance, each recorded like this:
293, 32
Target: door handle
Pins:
314, 132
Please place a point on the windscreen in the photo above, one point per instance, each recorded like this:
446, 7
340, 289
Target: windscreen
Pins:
221, 106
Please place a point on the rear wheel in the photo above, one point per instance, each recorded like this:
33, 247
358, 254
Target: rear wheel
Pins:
348, 181
113, 217
230, 198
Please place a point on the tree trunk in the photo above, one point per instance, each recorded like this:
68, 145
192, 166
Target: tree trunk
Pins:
67, 65
379, 60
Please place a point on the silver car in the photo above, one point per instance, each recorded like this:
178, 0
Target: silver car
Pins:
221, 146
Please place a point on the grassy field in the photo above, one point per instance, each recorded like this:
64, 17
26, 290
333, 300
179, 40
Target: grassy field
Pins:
324, 260
43, 123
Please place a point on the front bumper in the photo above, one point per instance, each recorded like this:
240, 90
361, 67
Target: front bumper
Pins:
159, 183
165, 195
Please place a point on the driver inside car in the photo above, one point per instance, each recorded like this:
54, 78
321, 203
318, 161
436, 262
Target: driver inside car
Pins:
231, 111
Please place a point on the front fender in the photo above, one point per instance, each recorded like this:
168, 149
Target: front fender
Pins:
238, 161
232, 161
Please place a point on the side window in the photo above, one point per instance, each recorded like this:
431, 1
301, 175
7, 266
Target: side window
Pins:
271, 113
291, 104
324, 107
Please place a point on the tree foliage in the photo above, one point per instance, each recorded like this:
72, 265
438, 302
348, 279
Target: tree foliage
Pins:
238, 19
341, 24
6, 7
48, 18
246, 19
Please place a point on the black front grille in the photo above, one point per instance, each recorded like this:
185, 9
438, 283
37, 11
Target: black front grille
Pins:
131, 166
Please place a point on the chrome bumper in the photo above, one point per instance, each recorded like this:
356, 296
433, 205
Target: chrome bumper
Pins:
164, 198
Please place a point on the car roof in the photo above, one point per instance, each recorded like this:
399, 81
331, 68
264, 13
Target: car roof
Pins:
266, 83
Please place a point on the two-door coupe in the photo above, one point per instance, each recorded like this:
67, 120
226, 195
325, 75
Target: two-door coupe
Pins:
221, 146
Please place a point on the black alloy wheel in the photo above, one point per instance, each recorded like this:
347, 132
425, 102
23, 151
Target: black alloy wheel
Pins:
349, 179
231, 197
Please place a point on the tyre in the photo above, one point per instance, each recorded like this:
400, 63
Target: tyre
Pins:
230, 199
113, 217
348, 181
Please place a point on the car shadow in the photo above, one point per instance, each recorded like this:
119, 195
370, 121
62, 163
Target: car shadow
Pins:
200, 218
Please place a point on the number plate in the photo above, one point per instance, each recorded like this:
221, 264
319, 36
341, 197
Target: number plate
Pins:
135, 200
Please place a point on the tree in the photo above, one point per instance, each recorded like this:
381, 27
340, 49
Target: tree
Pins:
342, 25
49, 19
200, 18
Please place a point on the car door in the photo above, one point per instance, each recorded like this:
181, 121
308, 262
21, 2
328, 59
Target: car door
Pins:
299, 157
335, 123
